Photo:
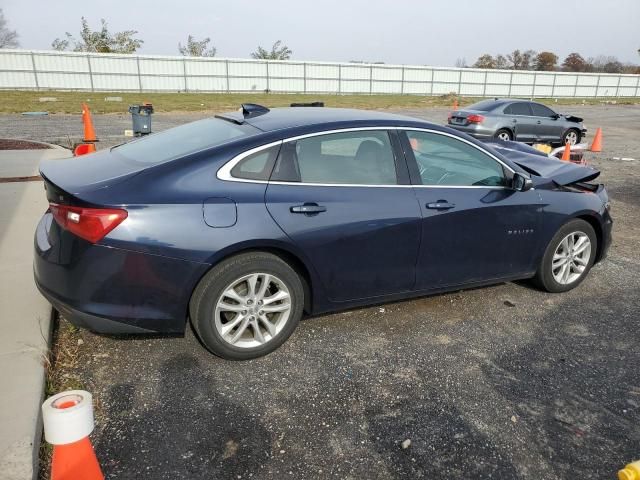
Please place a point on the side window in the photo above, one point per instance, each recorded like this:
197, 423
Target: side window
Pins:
256, 166
541, 110
360, 158
443, 160
520, 108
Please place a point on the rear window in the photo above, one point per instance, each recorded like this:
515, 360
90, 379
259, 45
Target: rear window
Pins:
183, 140
483, 106
520, 108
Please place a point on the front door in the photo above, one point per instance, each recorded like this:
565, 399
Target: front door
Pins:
338, 198
474, 226
522, 122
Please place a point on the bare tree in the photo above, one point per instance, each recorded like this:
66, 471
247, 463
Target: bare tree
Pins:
8, 38
461, 63
501, 62
521, 60
606, 64
100, 41
195, 48
278, 52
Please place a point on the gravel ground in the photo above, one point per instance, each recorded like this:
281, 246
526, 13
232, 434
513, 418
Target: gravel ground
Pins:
499, 382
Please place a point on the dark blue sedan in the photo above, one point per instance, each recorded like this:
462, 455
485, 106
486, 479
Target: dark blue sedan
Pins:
246, 221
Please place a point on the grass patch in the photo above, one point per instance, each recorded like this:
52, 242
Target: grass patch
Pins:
16, 101
60, 362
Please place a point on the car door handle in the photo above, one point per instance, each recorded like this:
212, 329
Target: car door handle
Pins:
538, 122
308, 209
514, 120
440, 205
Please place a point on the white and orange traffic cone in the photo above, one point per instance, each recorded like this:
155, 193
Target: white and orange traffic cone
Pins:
566, 155
87, 122
596, 146
68, 421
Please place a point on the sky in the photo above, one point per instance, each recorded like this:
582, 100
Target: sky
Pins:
411, 32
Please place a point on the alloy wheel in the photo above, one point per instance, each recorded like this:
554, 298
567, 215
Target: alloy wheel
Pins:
504, 136
571, 258
252, 310
571, 137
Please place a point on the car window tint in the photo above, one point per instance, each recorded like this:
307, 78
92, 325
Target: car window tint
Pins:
360, 158
183, 140
520, 108
444, 160
256, 166
541, 110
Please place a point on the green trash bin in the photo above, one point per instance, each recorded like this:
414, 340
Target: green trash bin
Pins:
141, 117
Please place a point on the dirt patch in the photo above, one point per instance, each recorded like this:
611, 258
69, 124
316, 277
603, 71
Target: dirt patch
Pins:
12, 144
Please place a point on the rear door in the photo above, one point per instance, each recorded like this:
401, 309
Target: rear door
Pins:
519, 117
344, 199
474, 227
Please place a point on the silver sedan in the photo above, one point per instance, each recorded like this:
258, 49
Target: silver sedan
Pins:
520, 120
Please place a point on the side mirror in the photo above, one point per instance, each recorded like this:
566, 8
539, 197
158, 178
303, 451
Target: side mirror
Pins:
555, 116
521, 183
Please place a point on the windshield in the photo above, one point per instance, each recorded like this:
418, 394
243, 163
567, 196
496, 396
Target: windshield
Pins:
183, 140
483, 106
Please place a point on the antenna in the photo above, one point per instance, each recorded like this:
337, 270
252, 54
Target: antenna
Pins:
253, 110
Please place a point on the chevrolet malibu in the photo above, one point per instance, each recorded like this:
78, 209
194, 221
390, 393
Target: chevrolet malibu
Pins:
245, 222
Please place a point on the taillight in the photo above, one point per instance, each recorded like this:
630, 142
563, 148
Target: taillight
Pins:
475, 119
92, 224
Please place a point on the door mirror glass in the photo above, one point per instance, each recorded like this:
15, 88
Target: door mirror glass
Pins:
521, 183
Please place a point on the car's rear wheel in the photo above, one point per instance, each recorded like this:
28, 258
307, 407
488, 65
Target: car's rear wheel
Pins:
247, 306
571, 136
504, 134
568, 257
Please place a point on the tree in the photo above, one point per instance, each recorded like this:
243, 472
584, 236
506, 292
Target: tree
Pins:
99, 41
501, 62
461, 63
521, 60
575, 63
278, 52
195, 48
545, 61
606, 64
8, 38
485, 61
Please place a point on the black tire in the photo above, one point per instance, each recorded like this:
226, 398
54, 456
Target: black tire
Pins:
503, 131
206, 295
544, 277
566, 134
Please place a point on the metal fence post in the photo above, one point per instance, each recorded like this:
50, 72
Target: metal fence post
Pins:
533, 89
304, 77
402, 82
184, 73
90, 72
510, 83
484, 87
459, 82
267, 65
553, 86
431, 84
139, 75
339, 79
618, 85
638, 86
597, 86
35, 71
370, 79
226, 72
575, 86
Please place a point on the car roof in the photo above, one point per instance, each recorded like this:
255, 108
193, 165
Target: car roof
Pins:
292, 117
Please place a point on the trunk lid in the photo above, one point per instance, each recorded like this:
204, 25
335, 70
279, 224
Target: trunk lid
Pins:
89, 172
460, 117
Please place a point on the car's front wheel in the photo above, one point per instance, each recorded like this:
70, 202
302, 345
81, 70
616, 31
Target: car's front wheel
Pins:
568, 257
247, 306
571, 136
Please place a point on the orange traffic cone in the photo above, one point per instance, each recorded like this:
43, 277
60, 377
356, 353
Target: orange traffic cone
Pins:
83, 149
455, 104
566, 155
68, 421
596, 146
89, 132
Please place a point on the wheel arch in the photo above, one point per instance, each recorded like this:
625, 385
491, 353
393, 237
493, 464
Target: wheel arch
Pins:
597, 228
285, 254
508, 129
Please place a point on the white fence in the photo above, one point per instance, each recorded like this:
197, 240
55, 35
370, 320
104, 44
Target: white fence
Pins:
50, 70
